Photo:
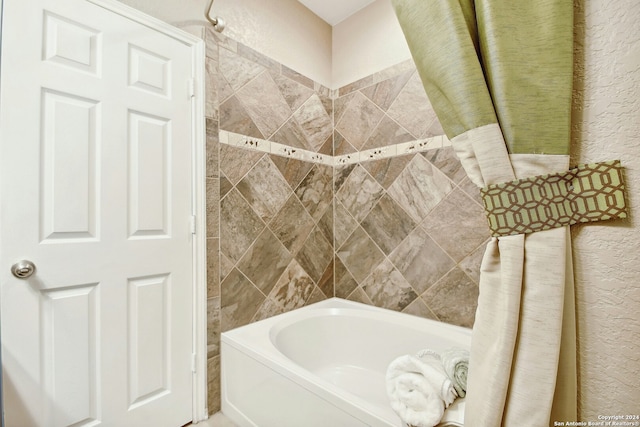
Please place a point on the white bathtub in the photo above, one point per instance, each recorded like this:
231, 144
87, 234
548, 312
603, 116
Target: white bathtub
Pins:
324, 365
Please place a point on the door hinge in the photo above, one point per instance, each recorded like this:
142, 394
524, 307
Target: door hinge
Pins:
193, 362
192, 224
191, 87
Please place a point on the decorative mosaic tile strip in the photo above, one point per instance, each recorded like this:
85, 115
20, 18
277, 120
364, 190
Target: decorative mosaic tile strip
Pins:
586, 193
247, 142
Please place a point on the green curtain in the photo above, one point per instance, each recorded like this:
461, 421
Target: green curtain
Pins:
499, 75
499, 61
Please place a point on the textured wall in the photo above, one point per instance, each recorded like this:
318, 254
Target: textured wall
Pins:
280, 29
607, 259
367, 42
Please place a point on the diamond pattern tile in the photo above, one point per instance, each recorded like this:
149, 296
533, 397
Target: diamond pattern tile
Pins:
420, 187
292, 225
388, 224
359, 193
265, 104
315, 255
359, 119
386, 287
400, 232
240, 300
265, 261
315, 191
240, 225
360, 254
457, 231
264, 188
412, 108
403, 230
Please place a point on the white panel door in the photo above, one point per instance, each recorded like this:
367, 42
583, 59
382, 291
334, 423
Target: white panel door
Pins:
95, 188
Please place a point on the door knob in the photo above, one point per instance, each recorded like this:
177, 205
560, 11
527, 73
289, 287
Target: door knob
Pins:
23, 269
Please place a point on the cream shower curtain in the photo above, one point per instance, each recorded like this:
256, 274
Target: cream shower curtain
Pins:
499, 75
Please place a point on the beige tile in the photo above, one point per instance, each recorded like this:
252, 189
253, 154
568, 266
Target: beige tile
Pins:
316, 296
412, 109
239, 301
213, 148
359, 120
386, 91
213, 207
325, 284
385, 171
454, 299
240, 226
292, 135
236, 70
458, 225
315, 122
213, 384
359, 84
360, 254
387, 288
420, 187
388, 224
358, 295
359, 193
292, 225
234, 117
315, 191
264, 103
315, 255
420, 309
293, 288
293, 170
213, 268
265, 261
420, 260
264, 188
387, 132
446, 160
472, 262
213, 327
344, 281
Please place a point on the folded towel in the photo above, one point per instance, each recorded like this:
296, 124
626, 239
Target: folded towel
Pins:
455, 362
419, 389
447, 390
454, 415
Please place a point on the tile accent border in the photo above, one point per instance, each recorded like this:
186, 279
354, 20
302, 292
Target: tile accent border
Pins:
275, 148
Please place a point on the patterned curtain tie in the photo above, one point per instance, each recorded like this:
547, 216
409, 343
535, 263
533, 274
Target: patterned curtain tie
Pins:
586, 193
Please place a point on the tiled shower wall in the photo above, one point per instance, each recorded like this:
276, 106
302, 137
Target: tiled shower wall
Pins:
401, 229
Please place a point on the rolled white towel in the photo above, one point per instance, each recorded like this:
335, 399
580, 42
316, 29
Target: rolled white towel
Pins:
454, 415
419, 390
455, 362
446, 388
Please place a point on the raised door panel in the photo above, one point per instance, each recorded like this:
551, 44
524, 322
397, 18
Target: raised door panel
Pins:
149, 339
70, 337
69, 167
149, 175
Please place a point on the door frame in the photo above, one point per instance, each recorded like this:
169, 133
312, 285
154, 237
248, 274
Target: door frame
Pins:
198, 193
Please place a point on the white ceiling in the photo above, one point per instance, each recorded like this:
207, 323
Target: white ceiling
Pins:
335, 11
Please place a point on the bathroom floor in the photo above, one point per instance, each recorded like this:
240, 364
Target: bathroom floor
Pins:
215, 420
